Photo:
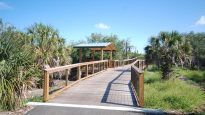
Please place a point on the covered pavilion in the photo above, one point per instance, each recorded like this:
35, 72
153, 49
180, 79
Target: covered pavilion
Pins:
96, 47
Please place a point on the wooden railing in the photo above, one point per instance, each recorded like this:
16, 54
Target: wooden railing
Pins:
117, 63
95, 67
89, 68
137, 81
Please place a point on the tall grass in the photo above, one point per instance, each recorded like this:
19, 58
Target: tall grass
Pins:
198, 76
173, 94
13, 91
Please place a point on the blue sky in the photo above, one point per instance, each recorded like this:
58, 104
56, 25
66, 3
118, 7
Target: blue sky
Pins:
136, 20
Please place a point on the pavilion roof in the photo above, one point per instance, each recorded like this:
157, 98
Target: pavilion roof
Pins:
106, 46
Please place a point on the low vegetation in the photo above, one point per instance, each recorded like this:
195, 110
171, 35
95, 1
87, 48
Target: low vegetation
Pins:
196, 76
176, 81
34, 99
174, 94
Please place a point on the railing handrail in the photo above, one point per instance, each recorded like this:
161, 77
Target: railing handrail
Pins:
125, 59
137, 81
61, 68
129, 59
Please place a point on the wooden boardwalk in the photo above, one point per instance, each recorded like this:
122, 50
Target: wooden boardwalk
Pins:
110, 88
107, 93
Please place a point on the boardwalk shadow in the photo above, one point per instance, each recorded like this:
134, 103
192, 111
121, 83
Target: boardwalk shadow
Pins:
109, 89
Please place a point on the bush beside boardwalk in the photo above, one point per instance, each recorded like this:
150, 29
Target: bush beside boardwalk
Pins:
173, 94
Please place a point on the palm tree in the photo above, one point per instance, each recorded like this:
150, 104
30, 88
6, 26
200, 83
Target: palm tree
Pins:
155, 47
16, 70
165, 50
47, 45
148, 55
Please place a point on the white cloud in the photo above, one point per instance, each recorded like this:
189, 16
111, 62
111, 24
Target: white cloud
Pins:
102, 26
4, 6
201, 21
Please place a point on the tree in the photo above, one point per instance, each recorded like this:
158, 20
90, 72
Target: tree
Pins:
148, 55
16, 70
155, 47
47, 45
197, 41
22, 56
166, 49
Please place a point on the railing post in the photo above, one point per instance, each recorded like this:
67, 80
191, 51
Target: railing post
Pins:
78, 72
141, 89
93, 68
86, 71
46, 86
66, 77
101, 65
114, 63
98, 67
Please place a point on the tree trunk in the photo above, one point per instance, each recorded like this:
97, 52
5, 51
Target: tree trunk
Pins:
174, 62
182, 62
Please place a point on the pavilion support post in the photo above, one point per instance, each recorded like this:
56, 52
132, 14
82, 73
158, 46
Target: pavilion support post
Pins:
101, 54
93, 55
110, 60
111, 55
80, 54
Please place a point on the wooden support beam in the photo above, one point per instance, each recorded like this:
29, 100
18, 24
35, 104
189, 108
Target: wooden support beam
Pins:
66, 77
98, 67
114, 64
46, 86
86, 70
101, 54
93, 55
111, 55
80, 54
93, 68
78, 72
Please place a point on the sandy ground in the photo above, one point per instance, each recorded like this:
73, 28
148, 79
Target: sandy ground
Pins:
20, 111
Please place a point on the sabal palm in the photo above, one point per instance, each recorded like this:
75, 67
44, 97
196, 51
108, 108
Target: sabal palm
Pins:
45, 40
155, 47
15, 66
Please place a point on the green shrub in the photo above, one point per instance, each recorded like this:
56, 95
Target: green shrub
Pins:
34, 99
151, 77
174, 95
